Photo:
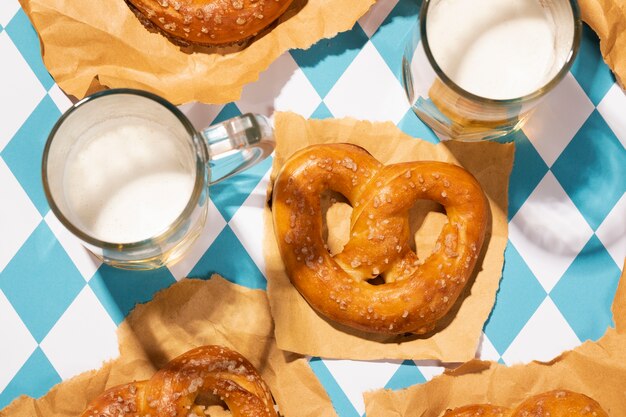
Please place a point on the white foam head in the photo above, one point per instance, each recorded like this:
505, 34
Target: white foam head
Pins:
127, 179
500, 49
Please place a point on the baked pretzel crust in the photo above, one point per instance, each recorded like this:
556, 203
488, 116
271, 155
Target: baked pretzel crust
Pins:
415, 295
210, 22
172, 391
558, 403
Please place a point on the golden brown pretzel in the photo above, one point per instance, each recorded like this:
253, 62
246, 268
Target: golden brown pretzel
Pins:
415, 295
558, 403
210, 22
172, 391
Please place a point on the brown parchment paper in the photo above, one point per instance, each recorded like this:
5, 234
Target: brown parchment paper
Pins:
85, 39
596, 369
608, 19
300, 329
191, 313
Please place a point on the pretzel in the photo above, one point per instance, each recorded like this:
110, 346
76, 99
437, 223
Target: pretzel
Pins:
209, 22
559, 403
172, 391
415, 295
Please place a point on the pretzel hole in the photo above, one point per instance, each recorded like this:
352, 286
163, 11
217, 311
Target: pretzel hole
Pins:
426, 220
336, 212
379, 280
213, 405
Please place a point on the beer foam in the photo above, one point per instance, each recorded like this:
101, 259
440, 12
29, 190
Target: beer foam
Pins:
498, 49
128, 179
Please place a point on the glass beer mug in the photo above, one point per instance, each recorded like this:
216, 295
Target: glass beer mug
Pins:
127, 173
475, 69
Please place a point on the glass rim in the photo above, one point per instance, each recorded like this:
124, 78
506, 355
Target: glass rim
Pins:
173, 226
548, 86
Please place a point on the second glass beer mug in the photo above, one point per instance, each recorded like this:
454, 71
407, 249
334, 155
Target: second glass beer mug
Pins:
475, 69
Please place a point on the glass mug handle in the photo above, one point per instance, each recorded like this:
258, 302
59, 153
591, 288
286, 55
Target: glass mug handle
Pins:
237, 144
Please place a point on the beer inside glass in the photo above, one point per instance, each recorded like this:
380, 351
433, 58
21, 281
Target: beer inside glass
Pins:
475, 69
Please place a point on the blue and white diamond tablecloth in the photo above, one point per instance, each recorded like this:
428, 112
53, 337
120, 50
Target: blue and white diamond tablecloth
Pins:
59, 307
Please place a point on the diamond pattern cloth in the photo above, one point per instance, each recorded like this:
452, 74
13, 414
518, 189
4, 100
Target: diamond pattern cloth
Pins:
59, 307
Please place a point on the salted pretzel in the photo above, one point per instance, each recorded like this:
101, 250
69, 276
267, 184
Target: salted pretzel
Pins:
172, 391
415, 295
209, 22
559, 403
